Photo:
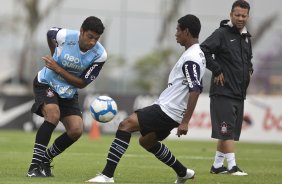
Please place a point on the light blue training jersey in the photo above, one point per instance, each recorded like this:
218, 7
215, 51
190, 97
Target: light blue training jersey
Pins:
68, 56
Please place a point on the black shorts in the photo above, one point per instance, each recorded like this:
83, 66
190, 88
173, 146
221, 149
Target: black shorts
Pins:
43, 94
226, 117
153, 119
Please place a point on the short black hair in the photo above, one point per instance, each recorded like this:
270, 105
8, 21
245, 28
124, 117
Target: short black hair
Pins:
242, 4
93, 23
192, 23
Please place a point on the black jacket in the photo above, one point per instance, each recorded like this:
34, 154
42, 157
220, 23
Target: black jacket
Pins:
229, 52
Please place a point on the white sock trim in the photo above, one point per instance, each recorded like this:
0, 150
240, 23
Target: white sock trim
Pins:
218, 159
231, 161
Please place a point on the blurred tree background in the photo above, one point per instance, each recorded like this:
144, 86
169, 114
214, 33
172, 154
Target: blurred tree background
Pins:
28, 15
145, 73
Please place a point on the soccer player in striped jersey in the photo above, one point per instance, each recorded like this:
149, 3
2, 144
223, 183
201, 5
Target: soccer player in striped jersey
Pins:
173, 109
77, 58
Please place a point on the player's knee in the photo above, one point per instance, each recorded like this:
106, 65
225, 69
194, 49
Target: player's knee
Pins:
126, 125
53, 117
144, 144
148, 141
130, 124
75, 133
51, 114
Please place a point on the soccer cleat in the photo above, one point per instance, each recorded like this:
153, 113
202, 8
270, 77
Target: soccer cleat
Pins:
220, 170
189, 175
235, 171
46, 169
101, 178
35, 172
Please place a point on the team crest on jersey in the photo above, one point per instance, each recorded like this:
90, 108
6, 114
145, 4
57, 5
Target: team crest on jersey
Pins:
223, 128
49, 93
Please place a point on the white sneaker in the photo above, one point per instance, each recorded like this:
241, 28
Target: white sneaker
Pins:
101, 178
189, 175
235, 171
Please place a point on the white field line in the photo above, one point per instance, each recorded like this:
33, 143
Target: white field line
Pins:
151, 156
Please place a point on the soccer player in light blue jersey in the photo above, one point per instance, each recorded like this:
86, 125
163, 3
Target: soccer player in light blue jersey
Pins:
173, 109
77, 58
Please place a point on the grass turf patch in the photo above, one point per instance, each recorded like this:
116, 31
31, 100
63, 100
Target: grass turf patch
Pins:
87, 157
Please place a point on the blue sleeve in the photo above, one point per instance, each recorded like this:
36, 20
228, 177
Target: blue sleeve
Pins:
92, 72
191, 71
52, 33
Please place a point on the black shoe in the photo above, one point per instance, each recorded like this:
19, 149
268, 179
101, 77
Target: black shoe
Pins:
46, 169
36, 171
220, 170
235, 171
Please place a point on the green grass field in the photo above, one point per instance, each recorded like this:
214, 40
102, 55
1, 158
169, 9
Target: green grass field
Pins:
86, 158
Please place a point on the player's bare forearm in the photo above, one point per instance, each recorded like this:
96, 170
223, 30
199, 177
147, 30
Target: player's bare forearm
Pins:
192, 101
72, 79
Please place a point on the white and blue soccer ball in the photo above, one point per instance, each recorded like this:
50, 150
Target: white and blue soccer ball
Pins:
103, 109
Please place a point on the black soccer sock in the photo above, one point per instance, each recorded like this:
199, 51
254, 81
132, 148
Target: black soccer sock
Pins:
42, 139
164, 155
117, 149
59, 145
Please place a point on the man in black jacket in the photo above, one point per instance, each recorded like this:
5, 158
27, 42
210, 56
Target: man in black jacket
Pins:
228, 53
